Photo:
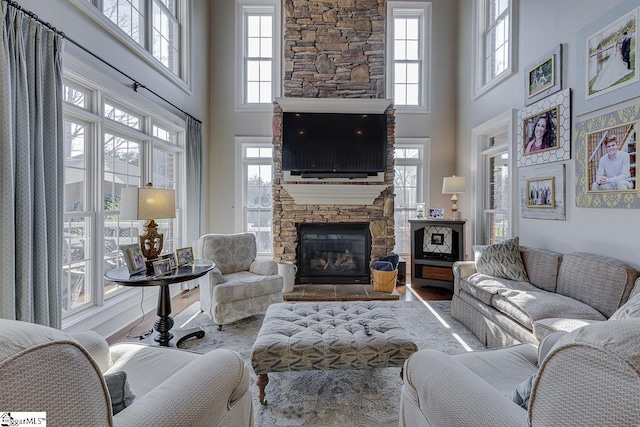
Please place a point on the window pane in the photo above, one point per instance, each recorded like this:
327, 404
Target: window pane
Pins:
164, 134
266, 153
253, 26
266, 26
75, 172
121, 169
253, 47
498, 183
75, 97
76, 263
412, 94
413, 73
400, 28
253, 92
400, 73
413, 32
266, 48
253, 71
412, 50
265, 71
252, 152
400, 50
400, 94
121, 116
498, 227
265, 92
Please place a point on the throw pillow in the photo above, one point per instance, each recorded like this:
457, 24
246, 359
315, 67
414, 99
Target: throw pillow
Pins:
631, 308
522, 393
120, 391
502, 260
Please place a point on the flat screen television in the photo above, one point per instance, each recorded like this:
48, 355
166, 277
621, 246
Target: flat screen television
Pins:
326, 145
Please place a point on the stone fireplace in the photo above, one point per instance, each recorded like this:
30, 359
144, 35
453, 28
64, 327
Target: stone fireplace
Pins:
334, 63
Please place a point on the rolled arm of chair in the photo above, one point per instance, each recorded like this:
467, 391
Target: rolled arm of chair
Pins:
201, 393
461, 270
264, 267
96, 346
448, 393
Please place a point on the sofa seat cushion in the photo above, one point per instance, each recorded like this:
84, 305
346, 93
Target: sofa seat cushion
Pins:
244, 285
544, 327
526, 307
484, 287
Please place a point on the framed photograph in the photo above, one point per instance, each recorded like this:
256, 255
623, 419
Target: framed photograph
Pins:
542, 190
607, 59
437, 239
133, 258
161, 267
540, 132
544, 130
184, 255
541, 193
544, 76
172, 260
606, 153
436, 213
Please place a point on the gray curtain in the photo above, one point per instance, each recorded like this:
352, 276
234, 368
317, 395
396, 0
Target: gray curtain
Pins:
31, 170
195, 205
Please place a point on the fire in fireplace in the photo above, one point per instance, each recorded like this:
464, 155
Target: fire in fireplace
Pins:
333, 253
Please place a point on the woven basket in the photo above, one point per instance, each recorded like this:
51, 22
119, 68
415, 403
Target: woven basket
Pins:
384, 281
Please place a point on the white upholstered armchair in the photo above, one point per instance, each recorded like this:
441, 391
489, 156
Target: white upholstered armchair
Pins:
240, 286
587, 377
45, 370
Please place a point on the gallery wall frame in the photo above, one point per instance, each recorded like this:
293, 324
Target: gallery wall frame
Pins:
543, 192
543, 77
590, 136
556, 109
596, 53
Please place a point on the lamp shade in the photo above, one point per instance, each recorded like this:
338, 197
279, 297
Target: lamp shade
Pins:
147, 203
453, 184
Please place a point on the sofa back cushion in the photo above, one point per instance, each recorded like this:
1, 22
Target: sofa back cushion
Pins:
230, 252
599, 281
542, 267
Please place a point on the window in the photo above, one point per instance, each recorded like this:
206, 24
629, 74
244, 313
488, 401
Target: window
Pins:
493, 183
256, 49
155, 29
110, 146
494, 53
408, 184
408, 31
254, 161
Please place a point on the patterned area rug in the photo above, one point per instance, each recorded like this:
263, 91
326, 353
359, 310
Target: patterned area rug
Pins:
358, 398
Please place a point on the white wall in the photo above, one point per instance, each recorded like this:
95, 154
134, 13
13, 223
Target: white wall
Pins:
543, 25
439, 125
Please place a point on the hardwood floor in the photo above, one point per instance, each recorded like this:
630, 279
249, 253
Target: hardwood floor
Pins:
186, 298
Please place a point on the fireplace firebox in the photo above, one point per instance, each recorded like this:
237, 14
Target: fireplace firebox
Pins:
333, 253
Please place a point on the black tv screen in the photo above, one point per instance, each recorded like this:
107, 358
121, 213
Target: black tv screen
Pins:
331, 144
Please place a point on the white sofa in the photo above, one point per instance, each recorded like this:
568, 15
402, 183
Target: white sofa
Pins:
45, 370
589, 377
573, 289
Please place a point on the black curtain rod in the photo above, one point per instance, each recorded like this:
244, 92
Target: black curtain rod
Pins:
135, 85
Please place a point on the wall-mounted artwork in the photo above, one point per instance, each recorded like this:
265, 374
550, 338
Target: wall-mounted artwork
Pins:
542, 192
606, 160
544, 130
544, 76
608, 60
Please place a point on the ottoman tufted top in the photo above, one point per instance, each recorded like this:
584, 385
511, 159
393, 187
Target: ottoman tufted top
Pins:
330, 335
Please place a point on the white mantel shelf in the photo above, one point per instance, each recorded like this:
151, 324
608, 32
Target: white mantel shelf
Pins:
334, 194
334, 105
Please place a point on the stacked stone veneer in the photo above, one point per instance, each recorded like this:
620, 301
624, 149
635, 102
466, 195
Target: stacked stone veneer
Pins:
334, 48
287, 214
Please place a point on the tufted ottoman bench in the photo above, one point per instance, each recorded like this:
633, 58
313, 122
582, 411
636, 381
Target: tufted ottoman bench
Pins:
328, 335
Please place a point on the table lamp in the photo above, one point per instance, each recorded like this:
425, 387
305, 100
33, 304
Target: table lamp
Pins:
146, 204
454, 185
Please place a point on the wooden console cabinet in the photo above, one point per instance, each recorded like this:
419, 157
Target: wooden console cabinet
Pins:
435, 246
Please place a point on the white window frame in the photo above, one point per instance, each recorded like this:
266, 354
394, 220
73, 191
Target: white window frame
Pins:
241, 181
101, 311
185, 77
480, 136
423, 193
482, 84
421, 10
244, 7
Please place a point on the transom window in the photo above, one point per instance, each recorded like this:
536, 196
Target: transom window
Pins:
256, 48
494, 47
408, 29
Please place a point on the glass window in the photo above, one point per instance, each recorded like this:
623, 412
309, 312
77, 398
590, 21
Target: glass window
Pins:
496, 190
128, 15
407, 183
407, 53
126, 157
494, 47
166, 35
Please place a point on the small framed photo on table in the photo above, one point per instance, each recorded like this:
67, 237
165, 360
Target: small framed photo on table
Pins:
161, 267
184, 256
172, 260
436, 213
133, 258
